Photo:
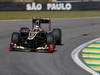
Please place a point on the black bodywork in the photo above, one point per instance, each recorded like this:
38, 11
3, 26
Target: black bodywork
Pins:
38, 41
35, 40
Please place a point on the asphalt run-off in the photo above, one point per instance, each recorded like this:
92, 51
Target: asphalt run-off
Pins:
57, 63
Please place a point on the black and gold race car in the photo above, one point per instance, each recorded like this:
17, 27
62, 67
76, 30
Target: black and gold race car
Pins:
36, 38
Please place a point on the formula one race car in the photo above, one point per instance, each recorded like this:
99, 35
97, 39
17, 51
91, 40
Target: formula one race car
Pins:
36, 38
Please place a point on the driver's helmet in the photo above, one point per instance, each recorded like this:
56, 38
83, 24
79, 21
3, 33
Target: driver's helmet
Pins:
36, 28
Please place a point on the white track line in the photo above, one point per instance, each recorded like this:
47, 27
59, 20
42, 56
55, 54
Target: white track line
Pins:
75, 57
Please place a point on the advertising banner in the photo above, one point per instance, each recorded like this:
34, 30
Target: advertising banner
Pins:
51, 6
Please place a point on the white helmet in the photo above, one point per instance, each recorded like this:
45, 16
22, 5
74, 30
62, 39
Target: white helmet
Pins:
36, 28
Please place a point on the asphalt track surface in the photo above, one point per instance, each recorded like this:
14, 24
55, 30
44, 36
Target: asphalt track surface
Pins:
57, 63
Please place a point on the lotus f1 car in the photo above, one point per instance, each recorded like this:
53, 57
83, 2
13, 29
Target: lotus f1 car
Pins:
36, 38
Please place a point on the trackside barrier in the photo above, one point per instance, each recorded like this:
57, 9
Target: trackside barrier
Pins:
54, 6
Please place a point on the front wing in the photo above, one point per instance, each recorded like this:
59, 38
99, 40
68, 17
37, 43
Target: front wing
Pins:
47, 48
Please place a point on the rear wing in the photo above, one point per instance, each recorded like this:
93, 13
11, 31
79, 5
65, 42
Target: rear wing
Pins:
42, 21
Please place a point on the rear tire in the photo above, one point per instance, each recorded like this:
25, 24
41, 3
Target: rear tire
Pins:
57, 33
24, 30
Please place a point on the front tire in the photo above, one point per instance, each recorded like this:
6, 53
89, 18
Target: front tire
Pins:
50, 38
57, 33
50, 42
15, 37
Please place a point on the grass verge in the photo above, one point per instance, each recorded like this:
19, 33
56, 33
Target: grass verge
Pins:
9, 15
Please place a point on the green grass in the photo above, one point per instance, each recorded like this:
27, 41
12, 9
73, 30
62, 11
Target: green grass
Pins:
6, 15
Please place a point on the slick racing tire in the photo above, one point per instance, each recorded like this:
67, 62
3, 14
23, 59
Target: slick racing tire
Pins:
57, 33
50, 42
50, 38
15, 37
